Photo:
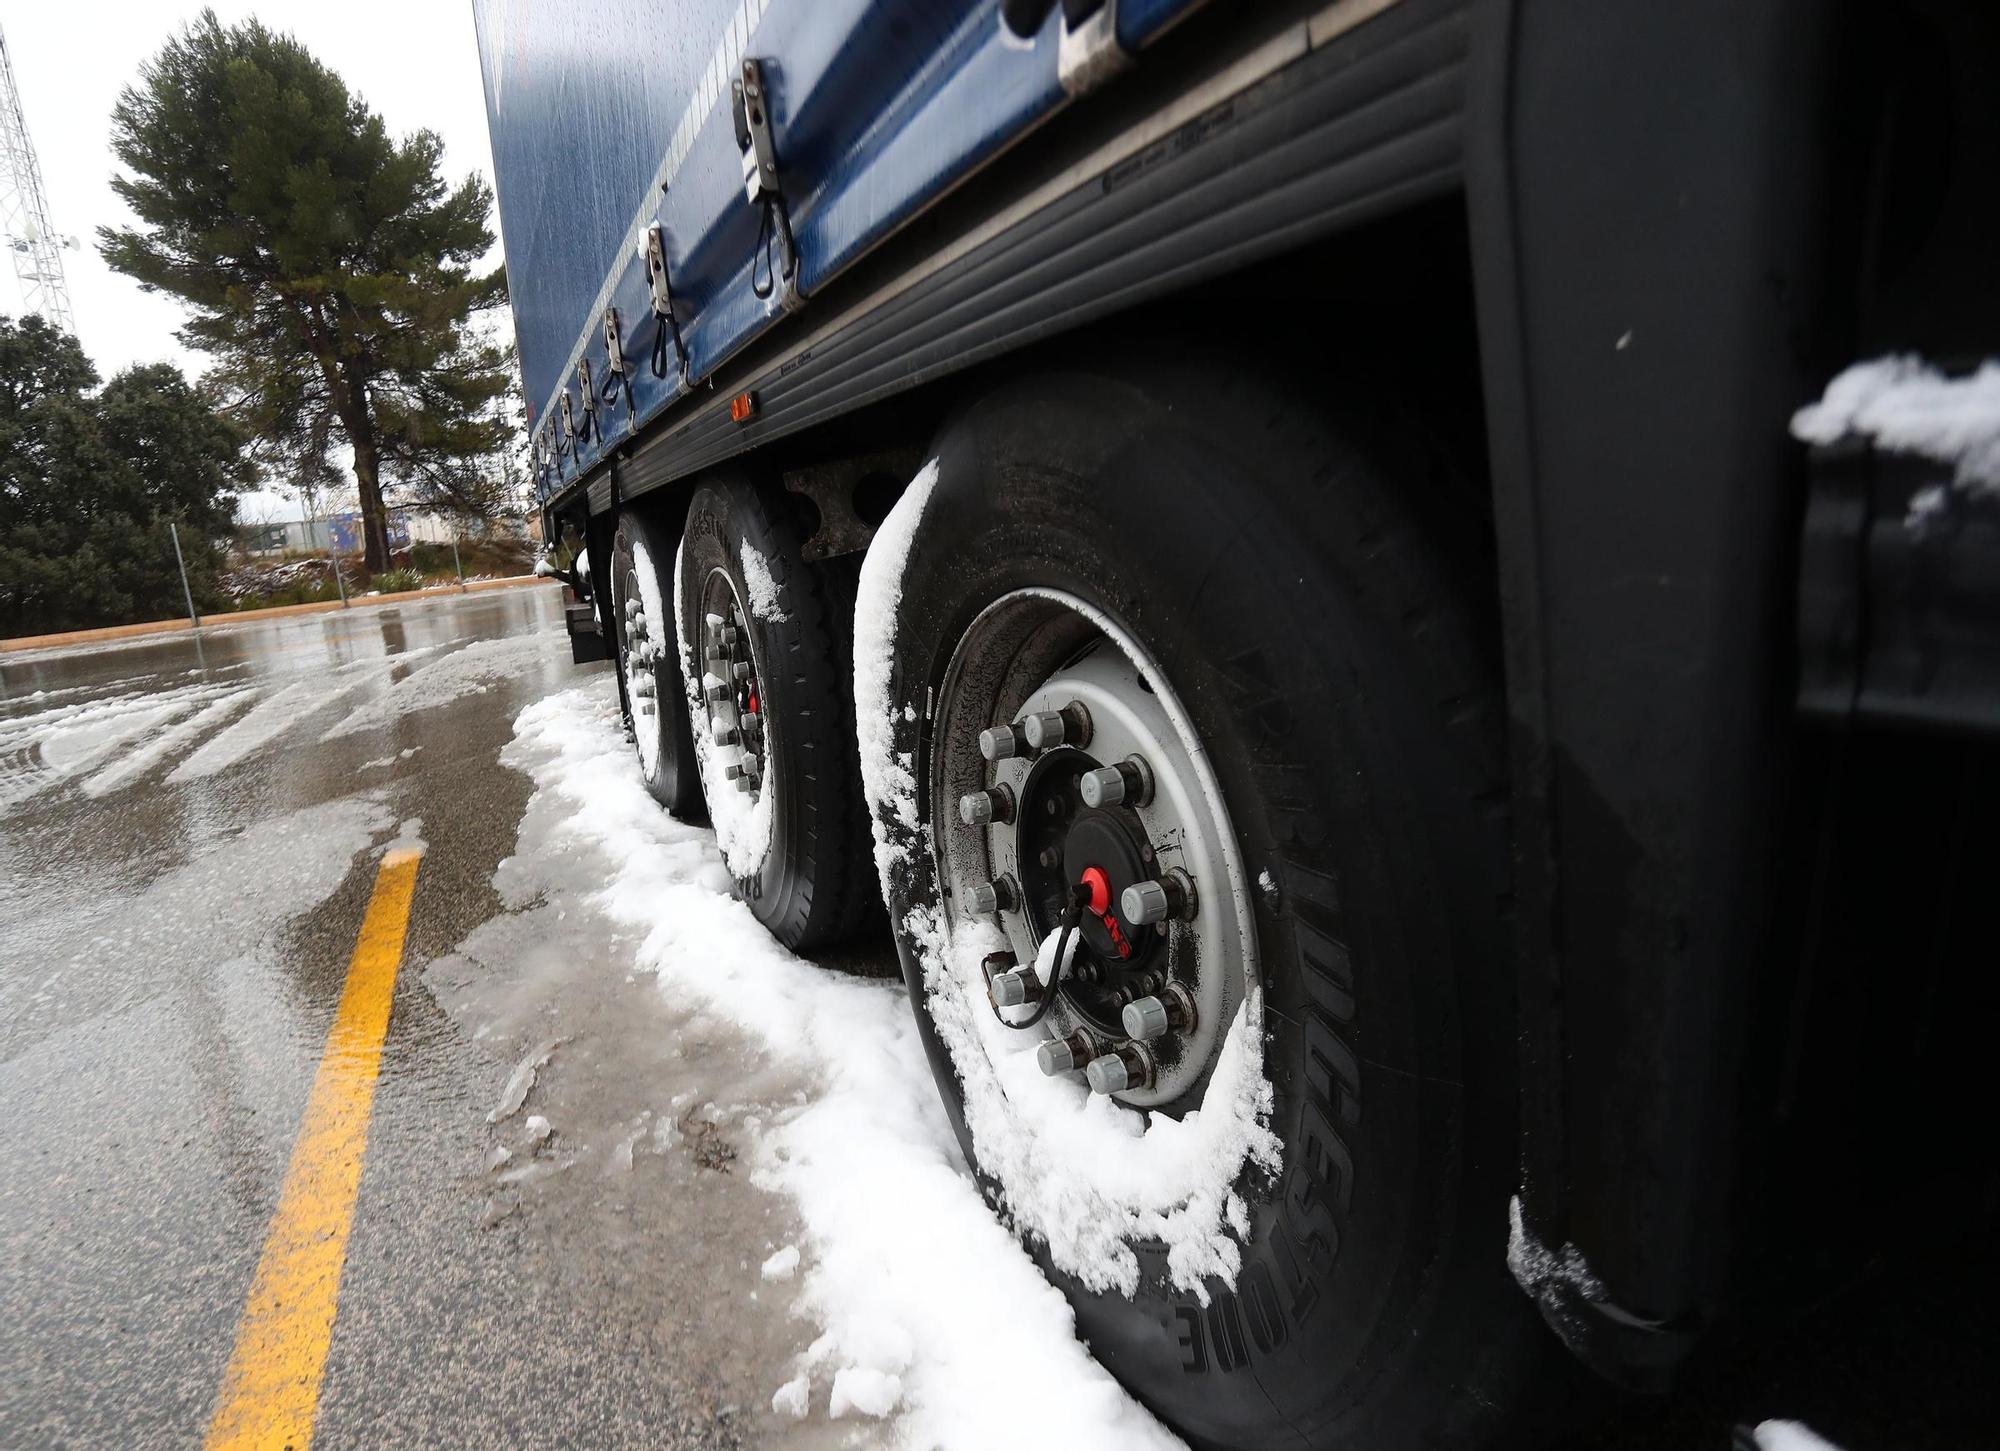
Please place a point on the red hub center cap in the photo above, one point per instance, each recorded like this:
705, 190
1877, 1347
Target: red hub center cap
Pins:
1099, 886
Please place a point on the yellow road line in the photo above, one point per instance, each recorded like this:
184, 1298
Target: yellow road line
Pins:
271, 1390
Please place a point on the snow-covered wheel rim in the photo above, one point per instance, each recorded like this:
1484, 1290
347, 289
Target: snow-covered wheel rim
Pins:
732, 710
641, 656
1061, 755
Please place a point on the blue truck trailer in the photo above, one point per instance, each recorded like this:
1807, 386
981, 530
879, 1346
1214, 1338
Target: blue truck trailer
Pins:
1286, 530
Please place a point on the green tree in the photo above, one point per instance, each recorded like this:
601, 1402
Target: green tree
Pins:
91, 482
332, 273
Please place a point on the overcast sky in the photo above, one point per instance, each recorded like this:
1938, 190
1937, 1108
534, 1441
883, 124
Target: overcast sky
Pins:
415, 62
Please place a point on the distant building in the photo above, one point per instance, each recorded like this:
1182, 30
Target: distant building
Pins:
407, 526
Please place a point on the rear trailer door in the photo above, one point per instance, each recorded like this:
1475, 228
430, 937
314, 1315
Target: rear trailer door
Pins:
614, 118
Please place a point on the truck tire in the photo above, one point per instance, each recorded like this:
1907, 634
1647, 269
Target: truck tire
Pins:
766, 640
641, 610
1219, 573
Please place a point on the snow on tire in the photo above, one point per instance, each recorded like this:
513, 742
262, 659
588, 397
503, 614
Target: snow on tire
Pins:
762, 635
643, 617
1108, 643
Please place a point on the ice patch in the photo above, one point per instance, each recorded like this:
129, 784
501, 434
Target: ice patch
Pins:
1905, 405
469, 671
284, 708
85, 739
268, 719
782, 1265
219, 904
409, 836
522, 1080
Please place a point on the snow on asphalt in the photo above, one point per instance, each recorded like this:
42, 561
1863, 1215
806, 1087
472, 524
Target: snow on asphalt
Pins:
472, 670
908, 1276
198, 730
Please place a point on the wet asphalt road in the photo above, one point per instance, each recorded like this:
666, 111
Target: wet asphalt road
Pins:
189, 833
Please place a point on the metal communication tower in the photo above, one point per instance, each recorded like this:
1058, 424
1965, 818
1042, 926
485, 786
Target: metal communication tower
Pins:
24, 211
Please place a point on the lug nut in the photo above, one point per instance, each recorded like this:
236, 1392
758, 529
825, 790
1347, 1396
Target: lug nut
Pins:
1107, 1074
714, 691
1129, 780
983, 808
997, 743
1126, 1066
1153, 1017
1015, 988
1057, 1056
1170, 895
724, 736
741, 669
990, 897
751, 722
1069, 726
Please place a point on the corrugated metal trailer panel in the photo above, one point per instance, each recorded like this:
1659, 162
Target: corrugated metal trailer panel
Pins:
610, 118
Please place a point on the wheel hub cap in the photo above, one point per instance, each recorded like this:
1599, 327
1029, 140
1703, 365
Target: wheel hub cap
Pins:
1159, 837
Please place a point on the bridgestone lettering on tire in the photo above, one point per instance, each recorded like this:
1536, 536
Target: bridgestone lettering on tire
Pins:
1262, 556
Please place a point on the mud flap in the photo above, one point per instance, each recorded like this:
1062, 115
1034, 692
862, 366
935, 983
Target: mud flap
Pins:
586, 636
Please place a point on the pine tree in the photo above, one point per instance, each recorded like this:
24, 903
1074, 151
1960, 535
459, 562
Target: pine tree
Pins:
332, 273
90, 482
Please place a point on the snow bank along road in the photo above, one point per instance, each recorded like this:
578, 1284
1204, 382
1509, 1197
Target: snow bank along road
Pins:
624, 1172
381, 1065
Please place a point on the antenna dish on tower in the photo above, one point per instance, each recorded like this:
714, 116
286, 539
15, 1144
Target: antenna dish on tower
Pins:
24, 211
